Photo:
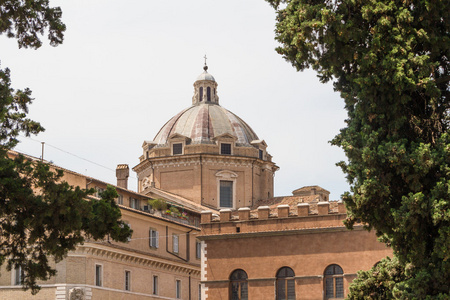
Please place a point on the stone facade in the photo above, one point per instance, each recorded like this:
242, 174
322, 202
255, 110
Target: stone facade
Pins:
141, 259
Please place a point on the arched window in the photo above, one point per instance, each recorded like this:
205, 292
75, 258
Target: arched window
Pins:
201, 94
238, 285
334, 282
208, 93
285, 284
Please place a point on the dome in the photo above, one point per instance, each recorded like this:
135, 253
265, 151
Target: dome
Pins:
205, 121
205, 76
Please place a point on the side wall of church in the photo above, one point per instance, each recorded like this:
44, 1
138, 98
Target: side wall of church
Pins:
307, 255
262, 244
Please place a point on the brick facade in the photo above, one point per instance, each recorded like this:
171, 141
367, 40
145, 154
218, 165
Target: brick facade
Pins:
264, 241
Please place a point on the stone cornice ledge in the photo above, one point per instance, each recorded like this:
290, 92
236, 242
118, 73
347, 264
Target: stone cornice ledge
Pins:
142, 259
277, 233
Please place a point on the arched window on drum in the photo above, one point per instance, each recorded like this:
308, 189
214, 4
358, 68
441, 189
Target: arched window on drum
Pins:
208, 94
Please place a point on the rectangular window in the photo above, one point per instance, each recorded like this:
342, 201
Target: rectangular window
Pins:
177, 149
153, 238
127, 280
175, 243
98, 191
261, 154
199, 292
98, 275
18, 274
225, 148
120, 199
178, 289
134, 203
155, 285
226, 193
198, 249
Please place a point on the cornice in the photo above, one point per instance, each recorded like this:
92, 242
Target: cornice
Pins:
113, 252
277, 233
205, 159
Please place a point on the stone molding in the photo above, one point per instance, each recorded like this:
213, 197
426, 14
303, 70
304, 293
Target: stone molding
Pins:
99, 250
206, 159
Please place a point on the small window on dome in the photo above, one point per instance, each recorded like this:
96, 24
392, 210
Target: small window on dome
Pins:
261, 154
225, 148
177, 149
208, 93
201, 94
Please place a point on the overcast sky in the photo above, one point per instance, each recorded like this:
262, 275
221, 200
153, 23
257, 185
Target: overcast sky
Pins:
126, 67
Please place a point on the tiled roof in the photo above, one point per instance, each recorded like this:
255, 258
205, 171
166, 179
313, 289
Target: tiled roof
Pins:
176, 199
204, 121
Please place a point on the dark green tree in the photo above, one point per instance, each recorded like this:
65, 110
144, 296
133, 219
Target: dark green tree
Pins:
42, 217
389, 60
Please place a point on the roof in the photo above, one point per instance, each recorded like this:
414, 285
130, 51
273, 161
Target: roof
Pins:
176, 199
309, 189
205, 121
205, 76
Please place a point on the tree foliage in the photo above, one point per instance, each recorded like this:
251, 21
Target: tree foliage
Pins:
42, 217
390, 62
26, 20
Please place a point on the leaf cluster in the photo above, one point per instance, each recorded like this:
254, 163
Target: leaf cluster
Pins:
27, 20
158, 204
43, 217
389, 61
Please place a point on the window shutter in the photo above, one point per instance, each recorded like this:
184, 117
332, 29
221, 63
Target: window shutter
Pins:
175, 243
157, 239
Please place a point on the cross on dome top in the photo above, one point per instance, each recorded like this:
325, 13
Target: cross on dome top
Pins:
205, 67
205, 88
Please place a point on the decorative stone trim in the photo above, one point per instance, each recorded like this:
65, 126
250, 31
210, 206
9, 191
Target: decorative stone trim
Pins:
135, 258
203, 272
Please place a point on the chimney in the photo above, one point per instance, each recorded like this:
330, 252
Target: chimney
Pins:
122, 173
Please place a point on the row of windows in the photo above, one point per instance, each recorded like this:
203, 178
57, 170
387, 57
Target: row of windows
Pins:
285, 284
208, 94
18, 275
154, 242
127, 282
225, 149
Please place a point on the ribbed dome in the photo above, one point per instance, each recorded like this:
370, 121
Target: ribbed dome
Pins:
204, 121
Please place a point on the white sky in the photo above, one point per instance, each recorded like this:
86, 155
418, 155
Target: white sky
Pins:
126, 67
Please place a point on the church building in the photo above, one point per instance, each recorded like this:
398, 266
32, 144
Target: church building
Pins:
206, 223
207, 155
